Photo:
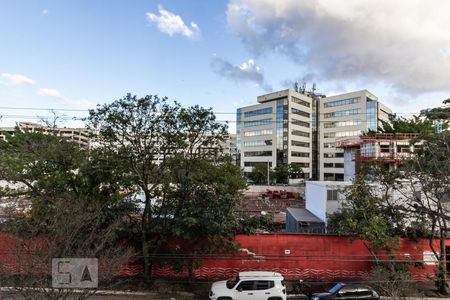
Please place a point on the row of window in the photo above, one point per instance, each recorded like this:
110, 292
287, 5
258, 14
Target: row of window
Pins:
300, 133
258, 122
258, 143
257, 153
301, 102
341, 134
329, 145
333, 155
299, 144
300, 112
342, 123
299, 154
258, 112
343, 113
333, 165
341, 102
255, 164
258, 132
301, 123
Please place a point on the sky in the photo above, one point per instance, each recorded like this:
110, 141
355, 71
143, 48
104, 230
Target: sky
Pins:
72, 55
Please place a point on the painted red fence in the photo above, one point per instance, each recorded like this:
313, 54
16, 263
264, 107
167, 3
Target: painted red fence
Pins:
308, 257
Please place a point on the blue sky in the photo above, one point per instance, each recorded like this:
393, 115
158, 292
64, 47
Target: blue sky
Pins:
221, 54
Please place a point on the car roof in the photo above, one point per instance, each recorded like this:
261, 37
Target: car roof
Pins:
264, 274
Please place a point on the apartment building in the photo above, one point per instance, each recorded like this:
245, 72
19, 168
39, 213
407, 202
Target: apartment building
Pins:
301, 128
80, 136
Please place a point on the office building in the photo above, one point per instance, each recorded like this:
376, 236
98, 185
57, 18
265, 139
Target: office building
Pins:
299, 127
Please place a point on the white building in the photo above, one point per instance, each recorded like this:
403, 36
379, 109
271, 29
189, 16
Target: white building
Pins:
278, 130
302, 128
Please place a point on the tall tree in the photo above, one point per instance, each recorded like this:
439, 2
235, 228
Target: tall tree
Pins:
62, 205
173, 155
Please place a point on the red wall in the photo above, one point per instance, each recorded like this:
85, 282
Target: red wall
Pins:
311, 257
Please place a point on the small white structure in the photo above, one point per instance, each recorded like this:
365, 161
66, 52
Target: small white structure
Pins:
324, 197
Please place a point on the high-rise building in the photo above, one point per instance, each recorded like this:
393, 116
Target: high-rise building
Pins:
298, 127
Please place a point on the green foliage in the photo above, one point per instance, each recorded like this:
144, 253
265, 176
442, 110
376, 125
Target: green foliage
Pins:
173, 155
403, 125
259, 174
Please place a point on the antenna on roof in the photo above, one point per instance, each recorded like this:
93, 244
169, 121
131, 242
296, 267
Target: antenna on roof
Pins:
313, 88
296, 87
303, 86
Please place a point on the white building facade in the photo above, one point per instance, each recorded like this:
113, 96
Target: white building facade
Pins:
289, 127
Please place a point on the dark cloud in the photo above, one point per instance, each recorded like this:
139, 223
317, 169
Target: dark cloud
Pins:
402, 44
247, 71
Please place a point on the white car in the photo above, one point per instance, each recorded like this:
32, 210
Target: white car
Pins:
254, 285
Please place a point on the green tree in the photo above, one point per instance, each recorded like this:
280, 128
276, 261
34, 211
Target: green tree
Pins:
59, 205
259, 174
173, 155
205, 197
284, 172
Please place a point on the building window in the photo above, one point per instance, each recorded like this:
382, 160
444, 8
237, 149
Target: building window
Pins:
299, 144
258, 132
332, 195
329, 134
258, 143
299, 154
329, 145
301, 102
300, 112
300, 133
257, 153
342, 123
343, 113
258, 112
328, 165
338, 165
371, 111
300, 123
258, 122
333, 155
341, 102
301, 164
255, 164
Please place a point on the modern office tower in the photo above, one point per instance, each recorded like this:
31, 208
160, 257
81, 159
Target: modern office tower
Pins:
302, 128
343, 116
276, 131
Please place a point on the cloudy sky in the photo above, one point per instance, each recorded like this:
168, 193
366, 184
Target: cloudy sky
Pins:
73, 55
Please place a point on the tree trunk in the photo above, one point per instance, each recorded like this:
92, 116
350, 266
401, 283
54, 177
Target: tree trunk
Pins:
442, 276
147, 261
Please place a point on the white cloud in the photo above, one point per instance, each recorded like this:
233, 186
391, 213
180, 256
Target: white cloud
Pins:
53, 93
172, 24
247, 71
44, 12
50, 93
404, 44
18, 79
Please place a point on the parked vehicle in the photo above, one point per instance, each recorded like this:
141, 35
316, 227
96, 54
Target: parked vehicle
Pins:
254, 285
348, 292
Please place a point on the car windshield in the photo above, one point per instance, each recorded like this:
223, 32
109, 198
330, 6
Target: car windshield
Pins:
232, 282
335, 288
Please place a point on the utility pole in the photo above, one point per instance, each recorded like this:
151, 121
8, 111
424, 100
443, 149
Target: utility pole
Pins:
268, 173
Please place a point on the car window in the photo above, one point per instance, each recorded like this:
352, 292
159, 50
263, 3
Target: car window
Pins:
232, 282
364, 292
335, 288
348, 292
247, 285
264, 284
